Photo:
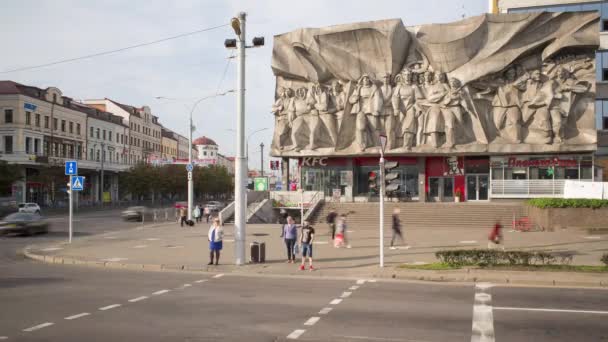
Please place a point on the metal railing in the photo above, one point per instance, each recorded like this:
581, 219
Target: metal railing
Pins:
527, 188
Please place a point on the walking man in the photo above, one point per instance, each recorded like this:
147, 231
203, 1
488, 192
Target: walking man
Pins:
396, 227
289, 235
331, 221
207, 213
183, 212
306, 238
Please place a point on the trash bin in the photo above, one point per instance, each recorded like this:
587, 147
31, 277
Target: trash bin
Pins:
258, 252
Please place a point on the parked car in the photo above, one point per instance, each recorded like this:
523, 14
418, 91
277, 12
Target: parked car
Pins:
133, 213
29, 208
24, 223
214, 205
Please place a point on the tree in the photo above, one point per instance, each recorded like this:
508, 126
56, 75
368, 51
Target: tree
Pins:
9, 173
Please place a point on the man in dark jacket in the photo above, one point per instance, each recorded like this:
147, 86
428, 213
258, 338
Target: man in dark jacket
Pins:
396, 227
331, 220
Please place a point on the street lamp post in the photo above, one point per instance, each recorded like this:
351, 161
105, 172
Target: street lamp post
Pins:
381, 164
262, 159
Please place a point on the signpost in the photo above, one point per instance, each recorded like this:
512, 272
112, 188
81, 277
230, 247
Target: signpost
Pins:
260, 183
76, 183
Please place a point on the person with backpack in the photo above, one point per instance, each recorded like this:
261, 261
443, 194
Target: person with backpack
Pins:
289, 235
331, 221
307, 236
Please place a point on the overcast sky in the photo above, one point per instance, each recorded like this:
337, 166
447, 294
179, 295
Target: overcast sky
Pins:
36, 32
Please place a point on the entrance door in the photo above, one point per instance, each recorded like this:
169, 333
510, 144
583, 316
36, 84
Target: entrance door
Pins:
477, 187
441, 189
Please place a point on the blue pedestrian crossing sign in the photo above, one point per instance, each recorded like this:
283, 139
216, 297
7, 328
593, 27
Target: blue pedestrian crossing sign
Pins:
71, 168
189, 167
77, 183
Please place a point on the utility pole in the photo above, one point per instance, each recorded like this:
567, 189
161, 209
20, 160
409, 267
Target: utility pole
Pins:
262, 159
190, 181
103, 151
240, 201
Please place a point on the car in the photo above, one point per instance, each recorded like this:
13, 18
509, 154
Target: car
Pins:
182, 204
29, 208
24, 223
133, 213
214, 205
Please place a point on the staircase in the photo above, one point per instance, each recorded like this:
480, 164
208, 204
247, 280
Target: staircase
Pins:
250, 208
425, 215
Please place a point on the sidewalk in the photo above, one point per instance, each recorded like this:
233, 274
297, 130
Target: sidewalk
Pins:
169, 247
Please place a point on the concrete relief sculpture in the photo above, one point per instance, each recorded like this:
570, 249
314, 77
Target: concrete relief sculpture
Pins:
493, 83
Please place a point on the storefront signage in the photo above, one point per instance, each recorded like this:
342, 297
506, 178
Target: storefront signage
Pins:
514, 162
313, 161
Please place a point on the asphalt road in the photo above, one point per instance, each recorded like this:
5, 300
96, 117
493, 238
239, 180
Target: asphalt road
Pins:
42, 302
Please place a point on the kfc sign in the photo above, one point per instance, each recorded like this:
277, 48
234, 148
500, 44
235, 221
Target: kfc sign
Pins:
314, 161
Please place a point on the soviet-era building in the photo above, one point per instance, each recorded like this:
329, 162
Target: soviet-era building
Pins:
489, 107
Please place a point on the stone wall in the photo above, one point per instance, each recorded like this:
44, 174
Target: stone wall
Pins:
554, 219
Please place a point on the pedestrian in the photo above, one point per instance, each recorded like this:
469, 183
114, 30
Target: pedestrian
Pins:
289, 235
183, 212
197, 213
331, 221
396, 227
495, 238
207, 213
215, 236
341, 228
307, 237
282, 219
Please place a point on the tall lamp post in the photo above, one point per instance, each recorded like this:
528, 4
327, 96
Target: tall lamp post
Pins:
262, 159
247, 141
240, 201
190, 129
382, 147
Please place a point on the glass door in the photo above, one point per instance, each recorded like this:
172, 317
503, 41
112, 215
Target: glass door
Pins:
477, 187
471, 187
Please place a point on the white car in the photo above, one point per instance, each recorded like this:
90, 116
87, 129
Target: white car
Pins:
29, 208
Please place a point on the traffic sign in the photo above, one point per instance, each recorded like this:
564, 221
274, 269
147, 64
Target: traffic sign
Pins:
189, 167
71, 167
189, 175
260, 184
77, 183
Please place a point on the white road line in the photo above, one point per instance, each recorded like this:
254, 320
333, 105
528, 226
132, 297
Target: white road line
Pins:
325, 311
200, 281
354, 287
360, 281
218, 275
552, 310
114, 259
69, 318
3, 337
320, 242
140, 246
50, 249
109, 307
39, 326
372, 280
468, 241
312, 320
152, 239
137, 299
186, 285
592, 237
483, 286
228, 240
346, 294
483, 317
160, 292
336, 301
296, 334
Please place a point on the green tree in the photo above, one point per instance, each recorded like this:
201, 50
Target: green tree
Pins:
9, 173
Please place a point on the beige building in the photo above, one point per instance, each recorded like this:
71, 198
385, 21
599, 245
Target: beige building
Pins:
169, 145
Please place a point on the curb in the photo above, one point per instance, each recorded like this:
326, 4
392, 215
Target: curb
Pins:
388, 275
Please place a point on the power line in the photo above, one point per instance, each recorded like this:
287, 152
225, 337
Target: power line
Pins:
113, 51
224, 74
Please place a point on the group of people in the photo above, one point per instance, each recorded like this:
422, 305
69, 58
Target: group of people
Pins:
295, 241
198, 213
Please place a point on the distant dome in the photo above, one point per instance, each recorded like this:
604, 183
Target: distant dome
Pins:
204, 141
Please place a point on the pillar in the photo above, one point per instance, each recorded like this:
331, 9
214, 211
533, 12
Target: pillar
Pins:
285, 174
421, 179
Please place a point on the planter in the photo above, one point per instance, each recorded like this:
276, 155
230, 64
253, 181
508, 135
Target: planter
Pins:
457, 199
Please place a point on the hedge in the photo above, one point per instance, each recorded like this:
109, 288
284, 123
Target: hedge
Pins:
544, 203
605, 259
491, 257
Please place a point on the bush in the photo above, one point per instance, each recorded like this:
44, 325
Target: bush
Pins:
544, 203
489, 257
605, 259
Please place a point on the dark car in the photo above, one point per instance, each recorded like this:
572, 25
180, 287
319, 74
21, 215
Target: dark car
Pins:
24, 223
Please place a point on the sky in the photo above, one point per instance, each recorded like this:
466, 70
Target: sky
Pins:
185, 69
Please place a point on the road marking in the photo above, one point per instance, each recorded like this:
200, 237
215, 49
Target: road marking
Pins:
354, 287
296, 334
552, 310
187, 285
152, 239
403, 247
417, 263
218, 275
39, 326
114, 259
360, 281
468, 241
483, 317
312, 320
160, 292
228, 240
137, 299
372, 280
110, 237
50, 249
140, 246
593, 237
483, 286
69, 318
325, 311
346, 294
336, 301
3, 337
171, 246
350, 231
201, 281
109, 307
320, 242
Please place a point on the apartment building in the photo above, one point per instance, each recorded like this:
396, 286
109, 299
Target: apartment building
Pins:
169, 145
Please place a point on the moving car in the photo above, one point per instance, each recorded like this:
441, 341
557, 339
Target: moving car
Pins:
29, 208
24, 223
214, 205
133, 213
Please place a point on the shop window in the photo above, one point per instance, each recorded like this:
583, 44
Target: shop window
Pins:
497, 173
571, 173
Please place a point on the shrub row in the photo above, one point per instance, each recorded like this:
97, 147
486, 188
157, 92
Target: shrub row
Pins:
605, 259
490, 257
567, 203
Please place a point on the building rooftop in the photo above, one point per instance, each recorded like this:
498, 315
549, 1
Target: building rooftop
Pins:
204, 141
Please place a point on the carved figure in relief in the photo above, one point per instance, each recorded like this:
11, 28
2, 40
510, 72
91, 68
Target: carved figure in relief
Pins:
300, 116
387, 108
280, 110
453, 111
338, 102
565, 89
326, 112
405, 111
507, 106
366, 102
535, 107
434, 124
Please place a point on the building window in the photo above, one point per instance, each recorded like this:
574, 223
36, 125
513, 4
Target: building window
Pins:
605, 123
45, 145
92, 132
37, 120
28, 145
605, 74
97, 155
63, 125
604, 25
78, 128
104, 134
79, 152
55, 124
28, 118
91, 154
110, 135
97, 131
71, 126
8, 144
46, 121
8, 116
104, 155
